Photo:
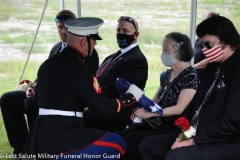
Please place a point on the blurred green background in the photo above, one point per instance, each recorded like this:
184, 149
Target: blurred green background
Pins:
156, 18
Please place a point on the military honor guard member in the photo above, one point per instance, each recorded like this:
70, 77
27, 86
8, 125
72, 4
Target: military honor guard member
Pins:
18, 104
67, 85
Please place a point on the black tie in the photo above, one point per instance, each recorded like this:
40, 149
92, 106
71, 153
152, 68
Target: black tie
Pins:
108, 63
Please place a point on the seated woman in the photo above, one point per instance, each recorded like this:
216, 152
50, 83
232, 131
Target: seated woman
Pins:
177, 88
215, 116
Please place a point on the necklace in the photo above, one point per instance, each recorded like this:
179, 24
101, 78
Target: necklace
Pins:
177, 72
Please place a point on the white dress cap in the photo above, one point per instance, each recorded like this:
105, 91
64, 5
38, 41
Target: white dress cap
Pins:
85, 26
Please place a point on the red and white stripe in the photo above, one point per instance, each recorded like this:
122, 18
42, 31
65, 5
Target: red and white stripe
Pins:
213, 54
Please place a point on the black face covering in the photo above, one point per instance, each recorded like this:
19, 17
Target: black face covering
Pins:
124, 40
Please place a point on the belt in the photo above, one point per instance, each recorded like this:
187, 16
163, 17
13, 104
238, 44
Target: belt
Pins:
43, 111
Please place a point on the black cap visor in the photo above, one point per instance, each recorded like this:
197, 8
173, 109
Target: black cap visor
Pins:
92, 36
95, 37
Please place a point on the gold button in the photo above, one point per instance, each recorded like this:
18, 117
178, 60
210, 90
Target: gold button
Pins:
123, 101
128, 100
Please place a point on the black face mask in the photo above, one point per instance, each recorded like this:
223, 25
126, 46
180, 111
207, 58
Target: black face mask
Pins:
124, 40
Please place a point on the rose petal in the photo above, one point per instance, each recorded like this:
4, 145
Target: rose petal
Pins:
191, 132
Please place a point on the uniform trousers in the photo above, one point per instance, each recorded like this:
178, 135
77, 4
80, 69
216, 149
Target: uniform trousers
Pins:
116, 123
14, 105
109, 147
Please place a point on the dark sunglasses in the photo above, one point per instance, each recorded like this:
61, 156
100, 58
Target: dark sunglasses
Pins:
208, 45
62, 17
129, 19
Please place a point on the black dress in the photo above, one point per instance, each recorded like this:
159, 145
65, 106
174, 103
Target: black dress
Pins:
168, 96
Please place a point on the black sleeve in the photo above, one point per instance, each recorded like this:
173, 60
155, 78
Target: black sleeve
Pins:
89, 91
36, 98
132, 71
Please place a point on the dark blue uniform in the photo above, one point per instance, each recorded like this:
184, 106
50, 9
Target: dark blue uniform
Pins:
67, 84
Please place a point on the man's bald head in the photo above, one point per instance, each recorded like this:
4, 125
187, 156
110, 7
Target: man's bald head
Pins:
80, 44
210, 14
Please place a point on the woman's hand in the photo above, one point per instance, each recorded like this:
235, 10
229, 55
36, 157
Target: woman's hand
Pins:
142, 113
31, 90
179, 144
132, 116
176, 144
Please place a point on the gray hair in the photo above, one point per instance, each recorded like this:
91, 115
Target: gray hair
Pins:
182, 45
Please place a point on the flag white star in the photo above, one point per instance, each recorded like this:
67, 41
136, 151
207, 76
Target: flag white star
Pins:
153, 108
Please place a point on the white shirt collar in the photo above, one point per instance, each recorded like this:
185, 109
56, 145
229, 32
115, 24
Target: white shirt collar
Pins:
63, 46
125, 50
128, 48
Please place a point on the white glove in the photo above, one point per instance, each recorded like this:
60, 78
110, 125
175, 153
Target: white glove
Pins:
137, 92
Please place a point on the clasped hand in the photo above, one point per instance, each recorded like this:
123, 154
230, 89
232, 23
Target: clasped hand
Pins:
141, 113
31, 90
179, 144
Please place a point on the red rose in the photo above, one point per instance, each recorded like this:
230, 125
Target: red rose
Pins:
182, 122
25, 81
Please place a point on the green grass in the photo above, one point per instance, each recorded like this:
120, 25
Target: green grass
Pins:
10, 72
155, 18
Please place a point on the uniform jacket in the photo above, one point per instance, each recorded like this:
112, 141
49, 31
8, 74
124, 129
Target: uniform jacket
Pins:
92, 60
131, 66
66, 83
218, 132
55, 49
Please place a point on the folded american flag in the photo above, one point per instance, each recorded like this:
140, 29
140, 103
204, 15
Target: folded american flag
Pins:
149, 105
122, 85
144, 102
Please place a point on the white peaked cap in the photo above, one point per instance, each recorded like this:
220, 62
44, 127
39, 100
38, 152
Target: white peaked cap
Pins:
85, 26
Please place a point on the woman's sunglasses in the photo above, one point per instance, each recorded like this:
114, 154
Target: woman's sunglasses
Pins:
208, 45
129, 19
